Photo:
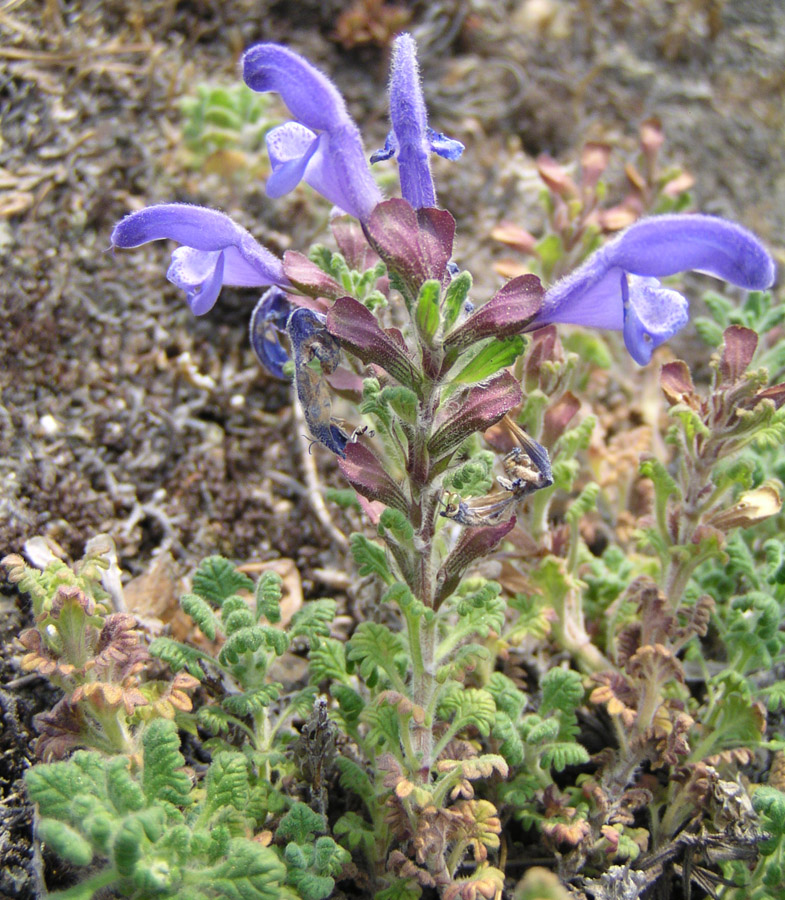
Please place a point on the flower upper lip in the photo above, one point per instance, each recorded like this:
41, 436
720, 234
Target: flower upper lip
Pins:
411, 140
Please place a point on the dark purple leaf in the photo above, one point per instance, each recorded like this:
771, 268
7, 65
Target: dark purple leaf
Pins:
507, 313
474, 410
356, 328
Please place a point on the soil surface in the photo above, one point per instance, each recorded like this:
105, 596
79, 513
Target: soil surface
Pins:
122, 413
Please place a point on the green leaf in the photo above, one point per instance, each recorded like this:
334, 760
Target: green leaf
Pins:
373, 646
510, 743
469, 706
354, 778
252, 702
249, 872
201, 612
455, 298
179, 656
327, 661
370, 558
310, 886
268, 597
427, 309
474, 478
346, 498
400, 889
583, 504
313, 620
300, 824
162, 776
227, 783
561, 754
562, 689
493, 356
398, 526
216, 579
65, 841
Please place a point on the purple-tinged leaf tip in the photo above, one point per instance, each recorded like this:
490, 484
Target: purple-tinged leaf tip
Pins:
356, 328
473, 544
307, 277
507, 313
366, 474
475, 410
616, 286
216, 250
416, 245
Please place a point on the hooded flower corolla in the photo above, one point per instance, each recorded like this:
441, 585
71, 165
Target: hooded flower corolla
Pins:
617, 286
215, 251
411, 140
323, 146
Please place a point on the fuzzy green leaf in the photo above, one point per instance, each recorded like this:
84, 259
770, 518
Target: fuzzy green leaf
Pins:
561, 754
300, 824
373, 646
227, 782
562, 690
65, 841
252, 702
268, 597
179, 656
469, 706
427, 309
370, 558
249, 872
327, 661
313, 620
354, 778
216, 579
455, 298
492, 356
162, 777
201, 612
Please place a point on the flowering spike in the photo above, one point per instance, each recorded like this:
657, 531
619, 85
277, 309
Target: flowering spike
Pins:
323, 146
411, 140
616, 287
215, 251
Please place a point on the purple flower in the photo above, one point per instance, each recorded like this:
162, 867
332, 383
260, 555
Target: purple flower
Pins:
215, 251
323, 147
411, 140
617, 286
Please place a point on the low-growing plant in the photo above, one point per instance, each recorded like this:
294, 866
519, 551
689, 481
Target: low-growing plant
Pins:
572, 637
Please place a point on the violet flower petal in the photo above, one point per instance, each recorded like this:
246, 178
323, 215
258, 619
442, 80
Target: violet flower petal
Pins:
411, 140
215, 251
607, 292
652, 314
200, 273
290, 148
